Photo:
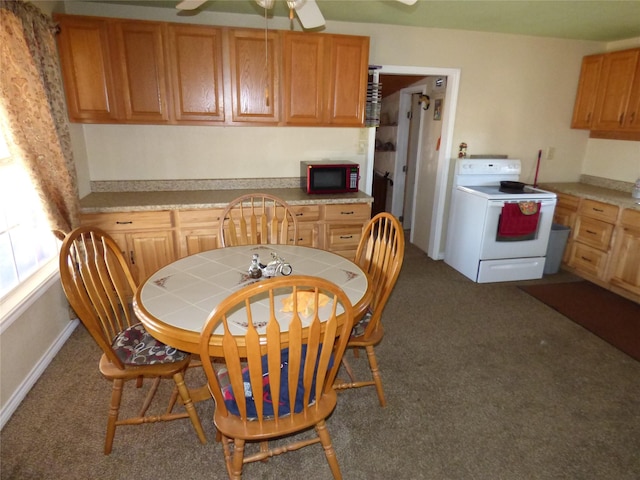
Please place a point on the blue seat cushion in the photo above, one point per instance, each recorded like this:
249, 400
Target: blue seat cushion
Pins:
135, 346
285, 407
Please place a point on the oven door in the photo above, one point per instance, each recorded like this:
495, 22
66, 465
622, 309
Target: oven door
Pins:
493, 247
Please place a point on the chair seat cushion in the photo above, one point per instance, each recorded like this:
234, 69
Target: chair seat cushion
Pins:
135, 346
285, 407
361, 326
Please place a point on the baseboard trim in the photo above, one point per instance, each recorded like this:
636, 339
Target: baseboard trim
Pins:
21, 392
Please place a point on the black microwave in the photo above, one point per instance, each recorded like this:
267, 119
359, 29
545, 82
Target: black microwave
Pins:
329, 176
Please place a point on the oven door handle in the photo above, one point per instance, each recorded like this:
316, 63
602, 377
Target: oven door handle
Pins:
501, 203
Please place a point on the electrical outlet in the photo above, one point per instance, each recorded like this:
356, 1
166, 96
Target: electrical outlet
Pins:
549, 153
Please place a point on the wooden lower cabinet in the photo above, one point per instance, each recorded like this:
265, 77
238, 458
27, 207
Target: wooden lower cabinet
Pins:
151, 240
197, 230
625, 267
592, 238
343, 227
145, 238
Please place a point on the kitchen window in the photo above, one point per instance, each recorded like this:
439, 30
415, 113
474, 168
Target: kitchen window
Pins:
27, 246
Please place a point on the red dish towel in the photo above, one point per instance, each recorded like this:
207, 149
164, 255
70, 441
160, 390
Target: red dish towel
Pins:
519, 219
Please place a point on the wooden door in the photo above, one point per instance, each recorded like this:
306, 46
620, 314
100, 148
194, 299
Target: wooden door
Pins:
614, 89
143, 75
587, 91
348, 66
255, 78
196, 67
626, 254
86, 62
304, 78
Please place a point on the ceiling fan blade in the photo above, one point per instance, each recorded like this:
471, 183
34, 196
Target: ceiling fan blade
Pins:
408, 2
189, 4
310, 15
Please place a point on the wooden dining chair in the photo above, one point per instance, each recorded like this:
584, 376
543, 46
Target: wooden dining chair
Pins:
296, 365
380, 253
99, 288
258, 218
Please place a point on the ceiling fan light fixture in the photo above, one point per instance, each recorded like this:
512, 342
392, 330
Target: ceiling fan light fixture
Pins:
266, 4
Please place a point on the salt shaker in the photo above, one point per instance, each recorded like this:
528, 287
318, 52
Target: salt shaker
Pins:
254, 269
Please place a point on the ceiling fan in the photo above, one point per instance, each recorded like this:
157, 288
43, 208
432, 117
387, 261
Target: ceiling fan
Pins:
308, 11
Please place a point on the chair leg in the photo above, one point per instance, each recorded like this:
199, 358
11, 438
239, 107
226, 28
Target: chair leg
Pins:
238, 459
188, 405
114, 408
150, 394
375, 373
349, 370
329, 451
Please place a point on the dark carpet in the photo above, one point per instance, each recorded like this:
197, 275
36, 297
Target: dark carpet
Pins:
613, 318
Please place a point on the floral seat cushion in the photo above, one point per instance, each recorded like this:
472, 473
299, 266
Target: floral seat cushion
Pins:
360, 327
135, 346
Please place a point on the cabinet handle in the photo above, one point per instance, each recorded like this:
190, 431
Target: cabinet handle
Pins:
347, 213
124, 223
131, 259
632, 117
621, 118
599, 210
299, 214
346, 236
589, 117
590, 232
586, 259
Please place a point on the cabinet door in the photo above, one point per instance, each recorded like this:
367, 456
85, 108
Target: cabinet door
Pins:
85, 58
148, 252
143, 77
348, 66
587, 91
255, 78
626, 254
196, 68
614, 89
304, 79
632, 116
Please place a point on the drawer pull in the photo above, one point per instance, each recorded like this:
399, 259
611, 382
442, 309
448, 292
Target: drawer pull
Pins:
299, 214
346, 236
599, 210
347, 213
586, 259
124, 223
591, 232
133, 262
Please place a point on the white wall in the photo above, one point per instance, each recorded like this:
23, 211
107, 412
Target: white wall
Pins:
516, 97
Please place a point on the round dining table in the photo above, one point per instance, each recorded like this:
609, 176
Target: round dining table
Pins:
174, 303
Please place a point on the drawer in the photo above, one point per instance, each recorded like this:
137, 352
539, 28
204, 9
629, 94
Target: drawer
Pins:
568, 201
306, 213
588, 260
593, 232
349, 212
344, 236
204, 217
598, 210
124, 221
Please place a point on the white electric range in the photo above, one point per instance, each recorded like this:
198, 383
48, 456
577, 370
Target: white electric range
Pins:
474, 246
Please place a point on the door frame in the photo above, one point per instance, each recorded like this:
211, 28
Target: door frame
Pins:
434, 245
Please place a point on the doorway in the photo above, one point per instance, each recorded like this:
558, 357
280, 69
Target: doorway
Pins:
426, 214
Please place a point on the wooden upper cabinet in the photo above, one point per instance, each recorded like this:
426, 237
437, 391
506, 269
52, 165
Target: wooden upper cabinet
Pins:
325, 79
614, 89
86, 64
348, 67
195, 55
587, 91
303, 78
142, 70
255, 75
